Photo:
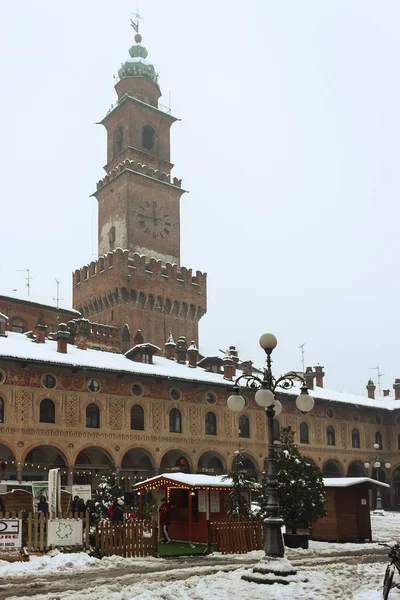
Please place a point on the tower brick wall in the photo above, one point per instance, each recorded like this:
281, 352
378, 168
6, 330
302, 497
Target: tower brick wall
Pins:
143, 293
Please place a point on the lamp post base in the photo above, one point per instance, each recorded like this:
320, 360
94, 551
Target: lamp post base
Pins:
273, 570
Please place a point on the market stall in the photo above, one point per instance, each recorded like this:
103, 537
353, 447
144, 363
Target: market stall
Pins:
194, 499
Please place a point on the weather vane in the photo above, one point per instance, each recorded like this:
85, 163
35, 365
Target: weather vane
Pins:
138, 18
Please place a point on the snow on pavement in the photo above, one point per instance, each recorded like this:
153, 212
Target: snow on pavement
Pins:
353, 575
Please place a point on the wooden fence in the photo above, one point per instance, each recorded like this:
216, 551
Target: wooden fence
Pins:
130, 538
236, 535
34, 528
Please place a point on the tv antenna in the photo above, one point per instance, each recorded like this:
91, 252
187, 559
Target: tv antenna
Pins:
57, 298
379, 376
302, 356
28, 278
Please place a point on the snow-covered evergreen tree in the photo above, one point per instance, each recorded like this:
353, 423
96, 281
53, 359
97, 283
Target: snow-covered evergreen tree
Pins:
107, 490
240, 482
300, 486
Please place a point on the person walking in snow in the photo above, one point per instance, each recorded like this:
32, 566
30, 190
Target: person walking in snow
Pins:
165, 519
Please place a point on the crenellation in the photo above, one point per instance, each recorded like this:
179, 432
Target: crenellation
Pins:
138, 167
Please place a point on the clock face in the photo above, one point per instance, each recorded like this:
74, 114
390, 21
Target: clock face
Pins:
154, 220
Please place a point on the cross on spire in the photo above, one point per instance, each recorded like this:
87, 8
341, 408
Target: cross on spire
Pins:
138, 18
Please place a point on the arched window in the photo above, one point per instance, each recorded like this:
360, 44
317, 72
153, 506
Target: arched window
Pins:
47, 411
355, 438
211, 424
330, 436
244, 427
118, 140
304, 438
137, 417
1, 410
378, 440
93, 416
148, 134
277, 431
175, 421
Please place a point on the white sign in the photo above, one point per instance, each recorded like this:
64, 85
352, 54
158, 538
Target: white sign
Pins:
10, 534
201, 498
54, 493
65, 532
363, 501
214, 502
83, 491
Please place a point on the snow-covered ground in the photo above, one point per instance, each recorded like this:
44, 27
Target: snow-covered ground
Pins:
334, 571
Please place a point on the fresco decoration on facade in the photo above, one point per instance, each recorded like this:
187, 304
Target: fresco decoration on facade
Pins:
157, 417
319, 436
71, 410
116, 413
194, 420
22, 406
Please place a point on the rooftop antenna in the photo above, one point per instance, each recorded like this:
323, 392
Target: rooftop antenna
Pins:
27, 279
302, 356
379, 375
138, 18
57, 298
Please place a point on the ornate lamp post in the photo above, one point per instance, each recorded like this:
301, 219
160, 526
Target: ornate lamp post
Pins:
377, 461
274, 568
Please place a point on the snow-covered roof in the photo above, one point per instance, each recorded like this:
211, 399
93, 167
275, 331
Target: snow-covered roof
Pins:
335, 396
187, 479
350, 481
17, 345
36, 299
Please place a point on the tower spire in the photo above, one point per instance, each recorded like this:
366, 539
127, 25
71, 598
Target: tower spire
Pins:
138, 18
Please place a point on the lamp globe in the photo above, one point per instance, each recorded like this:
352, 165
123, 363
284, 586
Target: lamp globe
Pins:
236, 402
268, 342
264, 397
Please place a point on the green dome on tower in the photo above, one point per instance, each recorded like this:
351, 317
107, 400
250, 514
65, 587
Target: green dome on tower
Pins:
138, 65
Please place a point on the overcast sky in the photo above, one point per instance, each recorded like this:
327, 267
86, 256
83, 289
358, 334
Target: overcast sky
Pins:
289, 145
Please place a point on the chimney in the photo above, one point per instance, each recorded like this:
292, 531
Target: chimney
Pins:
126, 338
234, 354
386, 393
40, 329
138, 339
180, 350
371, 389
62, 337
396, 387
82, 333
247, 367
192, 354
229, 368
3, 325
309, 377
319, 376
170, 347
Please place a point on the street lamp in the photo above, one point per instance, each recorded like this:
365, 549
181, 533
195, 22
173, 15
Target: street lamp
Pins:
273, 568
377, 461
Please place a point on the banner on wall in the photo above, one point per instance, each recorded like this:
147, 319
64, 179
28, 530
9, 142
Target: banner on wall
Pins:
10, 534
54, 498
83, 491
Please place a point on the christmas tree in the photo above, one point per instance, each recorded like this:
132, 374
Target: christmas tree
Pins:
300, 486
240, 483
107, 490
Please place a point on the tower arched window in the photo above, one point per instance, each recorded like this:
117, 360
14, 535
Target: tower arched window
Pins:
378, 440
330, 436
47, 411
137, 417
1, 410
304, 435
93, 416
244, 427
175, 421
211, 424
118, 141
355, 438
148, 137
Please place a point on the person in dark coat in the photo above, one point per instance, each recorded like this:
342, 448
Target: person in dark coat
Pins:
118, 512
74, 505
43, 505
165, 519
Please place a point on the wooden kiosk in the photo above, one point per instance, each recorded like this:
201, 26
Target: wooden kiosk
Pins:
193, 498
348, 506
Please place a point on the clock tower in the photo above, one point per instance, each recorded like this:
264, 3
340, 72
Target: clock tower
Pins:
137, 280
